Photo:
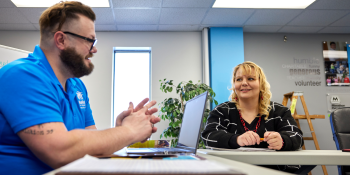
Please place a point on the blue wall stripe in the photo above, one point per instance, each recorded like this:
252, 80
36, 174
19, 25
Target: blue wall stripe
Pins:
226, 50
348, 50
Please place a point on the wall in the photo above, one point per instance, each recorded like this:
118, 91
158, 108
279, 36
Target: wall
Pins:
270, 52
175, 55
225, 43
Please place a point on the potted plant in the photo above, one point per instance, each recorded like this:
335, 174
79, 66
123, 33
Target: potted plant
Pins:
172, 109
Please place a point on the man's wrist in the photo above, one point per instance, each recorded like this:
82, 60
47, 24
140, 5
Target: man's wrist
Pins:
129, 133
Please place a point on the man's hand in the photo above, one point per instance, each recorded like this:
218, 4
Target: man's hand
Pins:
154, 119
274, 140
131, 109
140, 123
248, 138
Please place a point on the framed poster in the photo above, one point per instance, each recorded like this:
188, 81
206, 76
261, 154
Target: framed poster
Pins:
336, 63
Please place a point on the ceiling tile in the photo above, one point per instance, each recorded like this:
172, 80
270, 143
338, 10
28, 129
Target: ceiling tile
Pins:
272, 17
12, 15
104, 15
317, 17
37, 27
269, 29
188, 3
182, 15
345, 21
335, 30
137, 27
17, 27
330, 4
32, 14
298, 29
101, 27
136, 3
228, 16
136, 16
6, 3
178, 28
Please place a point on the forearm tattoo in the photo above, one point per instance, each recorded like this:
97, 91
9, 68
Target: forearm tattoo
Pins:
38, 130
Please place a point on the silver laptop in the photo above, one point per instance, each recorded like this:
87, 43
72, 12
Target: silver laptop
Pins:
189, 132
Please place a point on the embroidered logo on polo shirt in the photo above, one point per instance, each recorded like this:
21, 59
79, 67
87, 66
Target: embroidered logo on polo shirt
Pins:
81, 100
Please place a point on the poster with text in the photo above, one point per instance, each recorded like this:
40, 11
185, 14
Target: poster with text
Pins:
336, 63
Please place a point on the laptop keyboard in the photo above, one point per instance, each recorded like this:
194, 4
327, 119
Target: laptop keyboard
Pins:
168, 149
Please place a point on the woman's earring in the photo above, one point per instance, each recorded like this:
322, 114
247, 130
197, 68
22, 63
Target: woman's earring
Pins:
262, 97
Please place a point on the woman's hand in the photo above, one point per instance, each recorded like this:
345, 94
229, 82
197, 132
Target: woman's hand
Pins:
274, 140
248, 138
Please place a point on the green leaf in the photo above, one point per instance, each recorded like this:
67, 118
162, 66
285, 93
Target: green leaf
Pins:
164, 79
177, 123
171, 108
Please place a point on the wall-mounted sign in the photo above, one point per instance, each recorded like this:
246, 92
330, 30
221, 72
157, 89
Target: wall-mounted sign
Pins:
335, 99
338, 100
336, 63
304, 71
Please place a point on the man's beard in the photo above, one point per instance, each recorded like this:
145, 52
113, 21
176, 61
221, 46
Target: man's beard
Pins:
76, 62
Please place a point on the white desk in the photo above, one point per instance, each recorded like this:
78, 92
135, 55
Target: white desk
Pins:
243, 167
302, 157
239, 166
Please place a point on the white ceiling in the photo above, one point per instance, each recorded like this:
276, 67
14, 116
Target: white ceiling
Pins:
323, 16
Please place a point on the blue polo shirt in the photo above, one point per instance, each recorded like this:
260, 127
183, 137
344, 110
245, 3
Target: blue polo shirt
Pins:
30, 94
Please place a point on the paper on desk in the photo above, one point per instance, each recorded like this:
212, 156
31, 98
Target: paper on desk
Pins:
90, 164
243, 149
255, 149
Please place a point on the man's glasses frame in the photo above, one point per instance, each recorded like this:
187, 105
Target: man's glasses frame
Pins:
93, 41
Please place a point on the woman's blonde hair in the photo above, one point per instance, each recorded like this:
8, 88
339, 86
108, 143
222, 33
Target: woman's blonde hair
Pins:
265, 93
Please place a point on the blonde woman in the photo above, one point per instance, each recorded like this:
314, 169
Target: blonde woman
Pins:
250, 118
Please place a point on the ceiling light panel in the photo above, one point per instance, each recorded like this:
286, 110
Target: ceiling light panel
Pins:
263, 4
49, 3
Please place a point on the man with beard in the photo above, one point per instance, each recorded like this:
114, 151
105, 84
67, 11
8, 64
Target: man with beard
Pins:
45, 116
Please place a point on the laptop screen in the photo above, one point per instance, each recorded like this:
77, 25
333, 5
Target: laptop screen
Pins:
192, 121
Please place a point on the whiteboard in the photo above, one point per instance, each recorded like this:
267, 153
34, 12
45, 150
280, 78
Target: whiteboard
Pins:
8, 54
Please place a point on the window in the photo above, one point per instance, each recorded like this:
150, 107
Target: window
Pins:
131, 78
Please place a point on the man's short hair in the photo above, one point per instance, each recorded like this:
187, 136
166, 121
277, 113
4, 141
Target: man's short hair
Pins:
53, 18
332, 43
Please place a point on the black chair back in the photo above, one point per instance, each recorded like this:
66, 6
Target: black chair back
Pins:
340, 124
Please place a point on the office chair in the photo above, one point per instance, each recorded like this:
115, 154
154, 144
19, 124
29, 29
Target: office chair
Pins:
340, 120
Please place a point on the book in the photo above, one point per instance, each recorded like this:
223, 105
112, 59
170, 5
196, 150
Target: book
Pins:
152, 144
